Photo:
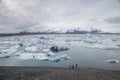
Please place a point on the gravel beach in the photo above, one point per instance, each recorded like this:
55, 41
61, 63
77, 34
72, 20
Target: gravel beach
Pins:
52, 73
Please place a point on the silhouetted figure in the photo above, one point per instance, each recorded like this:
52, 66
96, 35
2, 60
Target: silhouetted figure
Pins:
76, 66
72, 66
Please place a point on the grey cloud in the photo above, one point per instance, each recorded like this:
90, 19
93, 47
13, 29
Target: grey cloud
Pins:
12, 21
34, 14
113, 20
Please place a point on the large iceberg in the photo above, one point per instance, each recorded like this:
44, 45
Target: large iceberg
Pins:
112, 61
27, 56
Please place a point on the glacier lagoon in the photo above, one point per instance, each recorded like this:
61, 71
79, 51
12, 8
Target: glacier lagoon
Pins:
86, 50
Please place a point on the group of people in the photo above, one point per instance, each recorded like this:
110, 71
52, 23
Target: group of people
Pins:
74, 66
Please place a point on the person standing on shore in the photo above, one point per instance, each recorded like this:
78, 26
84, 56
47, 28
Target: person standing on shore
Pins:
76, 66
72, 66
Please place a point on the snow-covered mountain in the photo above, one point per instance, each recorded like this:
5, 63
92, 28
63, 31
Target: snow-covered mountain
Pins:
79, 31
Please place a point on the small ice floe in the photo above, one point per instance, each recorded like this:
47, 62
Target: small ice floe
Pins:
41, 56
49, 54
16, 54
27, 56
9, 42
4, 55
8, 52
104, 46
21, 44
58, 49
31, 49
60, 58
45, 38
24, 44
45, 50
30, 40
112, 61
14, 47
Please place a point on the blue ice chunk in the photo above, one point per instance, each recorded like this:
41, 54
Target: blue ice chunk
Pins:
60, 58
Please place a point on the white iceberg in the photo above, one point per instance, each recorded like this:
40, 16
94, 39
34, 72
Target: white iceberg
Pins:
16, 54
8, 52
45, 50
112, 61
42, 56
4, 55
9, 42
60, 58
104, 46
50, 54
27, 56
31, 48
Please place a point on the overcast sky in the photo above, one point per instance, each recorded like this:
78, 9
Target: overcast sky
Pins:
38, 15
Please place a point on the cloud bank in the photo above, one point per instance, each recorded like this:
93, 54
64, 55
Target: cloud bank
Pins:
38, 15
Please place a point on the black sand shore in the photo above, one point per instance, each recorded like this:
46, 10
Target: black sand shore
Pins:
44, 73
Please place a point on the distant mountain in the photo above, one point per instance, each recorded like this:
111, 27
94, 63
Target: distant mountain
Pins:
69, 31
95, 31
78, 31
75, 31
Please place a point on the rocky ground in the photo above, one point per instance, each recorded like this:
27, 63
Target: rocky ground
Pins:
44, 73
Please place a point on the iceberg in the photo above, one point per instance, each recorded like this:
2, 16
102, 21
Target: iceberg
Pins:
8, 52
9, 42
112, 61
21, 45
4, 55
42, 56
105, 46
16, 54
27, 56
60, 58
31, 49
46, 50
50, 54
58, 49
25, 44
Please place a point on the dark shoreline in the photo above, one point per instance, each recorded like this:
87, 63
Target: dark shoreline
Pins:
19, 34
55, 73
